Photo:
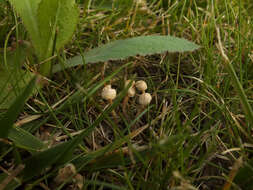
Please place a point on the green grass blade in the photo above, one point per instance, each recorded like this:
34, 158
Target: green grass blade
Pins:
122, 49
114, 159
237, 85
25, 140
12, 113
244, 176
38, 162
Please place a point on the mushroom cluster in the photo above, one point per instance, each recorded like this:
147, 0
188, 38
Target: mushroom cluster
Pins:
144, 99
109, 94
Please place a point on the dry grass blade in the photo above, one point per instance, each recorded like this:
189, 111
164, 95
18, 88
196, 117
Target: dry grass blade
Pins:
233, 173
11, 176
27, 120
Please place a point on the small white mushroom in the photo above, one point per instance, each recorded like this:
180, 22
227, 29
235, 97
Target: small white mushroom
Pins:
131, 90
108, 93
145, 99
141, 85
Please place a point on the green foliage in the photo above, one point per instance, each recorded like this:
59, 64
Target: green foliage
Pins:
56, 18
195, 128
27, 9
50, 23
122, 5
11, 85
13, 112
62, 153
5, 20
115, 159
25, 140
55, 155
244, 176
13, 79
122, 49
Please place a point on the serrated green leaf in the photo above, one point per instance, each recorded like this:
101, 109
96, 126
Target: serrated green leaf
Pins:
12, 113
24, 139
122, 49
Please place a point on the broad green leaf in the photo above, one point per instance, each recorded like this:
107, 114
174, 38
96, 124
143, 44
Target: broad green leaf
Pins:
24, 139
39, 161
122, 49
56, 18
8, 119
27, 9
50, 23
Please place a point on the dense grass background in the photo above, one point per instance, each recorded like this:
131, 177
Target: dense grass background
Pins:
194, 135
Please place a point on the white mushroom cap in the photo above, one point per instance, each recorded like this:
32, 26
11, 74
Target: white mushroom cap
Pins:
141, 85
145, 99
131, 90
108, 93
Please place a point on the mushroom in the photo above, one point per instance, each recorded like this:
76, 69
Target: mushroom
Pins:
145, 99
109, 94
141, 85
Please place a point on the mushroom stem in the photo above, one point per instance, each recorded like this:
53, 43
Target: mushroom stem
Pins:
114, 115
140, 110
125, 101
130, 93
